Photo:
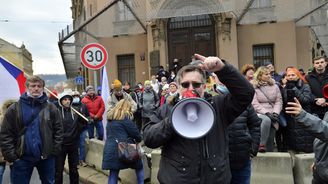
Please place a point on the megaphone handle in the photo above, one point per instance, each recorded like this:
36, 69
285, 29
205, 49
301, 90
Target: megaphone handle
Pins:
191, 111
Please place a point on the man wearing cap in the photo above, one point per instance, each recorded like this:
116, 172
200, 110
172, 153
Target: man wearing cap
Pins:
118, 94
72, 127
96, 108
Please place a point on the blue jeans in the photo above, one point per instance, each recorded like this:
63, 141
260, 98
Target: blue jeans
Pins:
22, 171
243, 175
99, 128
83, 136
2, 170
113, 176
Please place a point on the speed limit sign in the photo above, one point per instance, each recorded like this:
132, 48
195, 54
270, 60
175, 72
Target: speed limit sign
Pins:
94, 56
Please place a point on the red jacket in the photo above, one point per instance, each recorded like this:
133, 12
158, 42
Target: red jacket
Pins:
95, 106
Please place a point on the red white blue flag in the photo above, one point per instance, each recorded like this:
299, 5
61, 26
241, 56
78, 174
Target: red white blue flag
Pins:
12, 81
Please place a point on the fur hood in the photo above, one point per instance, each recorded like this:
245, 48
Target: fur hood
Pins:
258, 84
6, 105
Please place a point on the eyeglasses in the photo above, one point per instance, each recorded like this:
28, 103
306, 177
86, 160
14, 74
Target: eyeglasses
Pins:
194, 84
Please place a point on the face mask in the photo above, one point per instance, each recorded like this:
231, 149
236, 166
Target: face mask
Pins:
223, 89
76, 100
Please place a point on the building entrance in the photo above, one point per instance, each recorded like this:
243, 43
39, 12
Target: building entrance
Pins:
189, 35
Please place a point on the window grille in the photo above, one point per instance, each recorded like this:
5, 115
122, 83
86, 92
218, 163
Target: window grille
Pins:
262, 54
126, 68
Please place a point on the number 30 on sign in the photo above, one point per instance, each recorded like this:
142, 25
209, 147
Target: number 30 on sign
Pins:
94, 56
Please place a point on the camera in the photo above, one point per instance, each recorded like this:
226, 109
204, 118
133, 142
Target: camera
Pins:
290, 95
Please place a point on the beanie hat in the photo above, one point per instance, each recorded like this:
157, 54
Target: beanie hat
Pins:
52, 95
166, 86
174, 83
117, 85
75, 93
147, 82
89, 88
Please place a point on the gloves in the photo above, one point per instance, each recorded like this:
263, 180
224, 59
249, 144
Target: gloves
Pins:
276, 116
273, 116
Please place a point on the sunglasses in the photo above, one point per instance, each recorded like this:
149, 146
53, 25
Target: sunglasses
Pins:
194, 84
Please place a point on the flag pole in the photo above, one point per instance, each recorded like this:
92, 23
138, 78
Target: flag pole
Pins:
53, 94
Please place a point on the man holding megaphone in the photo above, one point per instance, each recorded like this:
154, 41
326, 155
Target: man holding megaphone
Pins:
203, 158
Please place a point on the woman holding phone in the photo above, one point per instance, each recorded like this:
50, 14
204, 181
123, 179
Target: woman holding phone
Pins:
298, 139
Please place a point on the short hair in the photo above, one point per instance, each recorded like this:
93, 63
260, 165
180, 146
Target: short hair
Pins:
190, 68
246, 67
34, 79
319, 57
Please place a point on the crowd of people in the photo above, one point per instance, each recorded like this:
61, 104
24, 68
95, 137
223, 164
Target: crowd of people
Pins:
256, 110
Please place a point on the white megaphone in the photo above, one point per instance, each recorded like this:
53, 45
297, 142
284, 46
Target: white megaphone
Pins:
192, 118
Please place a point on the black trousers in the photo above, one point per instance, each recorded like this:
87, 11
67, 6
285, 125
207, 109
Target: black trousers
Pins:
73, 159
317, 179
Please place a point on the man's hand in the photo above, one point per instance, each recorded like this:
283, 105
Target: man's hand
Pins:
294, 108
211, 64
320, 102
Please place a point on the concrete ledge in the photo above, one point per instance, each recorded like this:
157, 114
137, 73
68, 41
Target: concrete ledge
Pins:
302, 171
94, 157
282, 168
94, 154
88, 175
155, 159
272, 167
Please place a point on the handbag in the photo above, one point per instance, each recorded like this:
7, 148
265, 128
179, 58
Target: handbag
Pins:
128, 152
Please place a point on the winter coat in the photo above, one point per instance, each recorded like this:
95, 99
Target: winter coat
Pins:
95, 106
202, 160
298, 138
316, 83
318, 128
120, 130
82, 108
4, 109
72, 123
112, 101
149, 102
16, 138
261, 102
244, 138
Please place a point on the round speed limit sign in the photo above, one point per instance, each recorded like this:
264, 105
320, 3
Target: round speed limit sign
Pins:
94, 56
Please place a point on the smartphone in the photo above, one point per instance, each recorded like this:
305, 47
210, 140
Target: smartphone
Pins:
290, 95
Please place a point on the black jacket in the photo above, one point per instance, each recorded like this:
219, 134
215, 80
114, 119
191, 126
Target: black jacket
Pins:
73, 124
298, 138
206, 159
13, 129
244, 138
317, 82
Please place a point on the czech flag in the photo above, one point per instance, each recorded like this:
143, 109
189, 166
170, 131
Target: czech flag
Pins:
12, 81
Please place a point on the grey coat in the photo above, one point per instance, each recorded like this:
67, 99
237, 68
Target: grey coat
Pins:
149, 102
319, 129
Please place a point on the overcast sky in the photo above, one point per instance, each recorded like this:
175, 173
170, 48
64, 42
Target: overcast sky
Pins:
36, 23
